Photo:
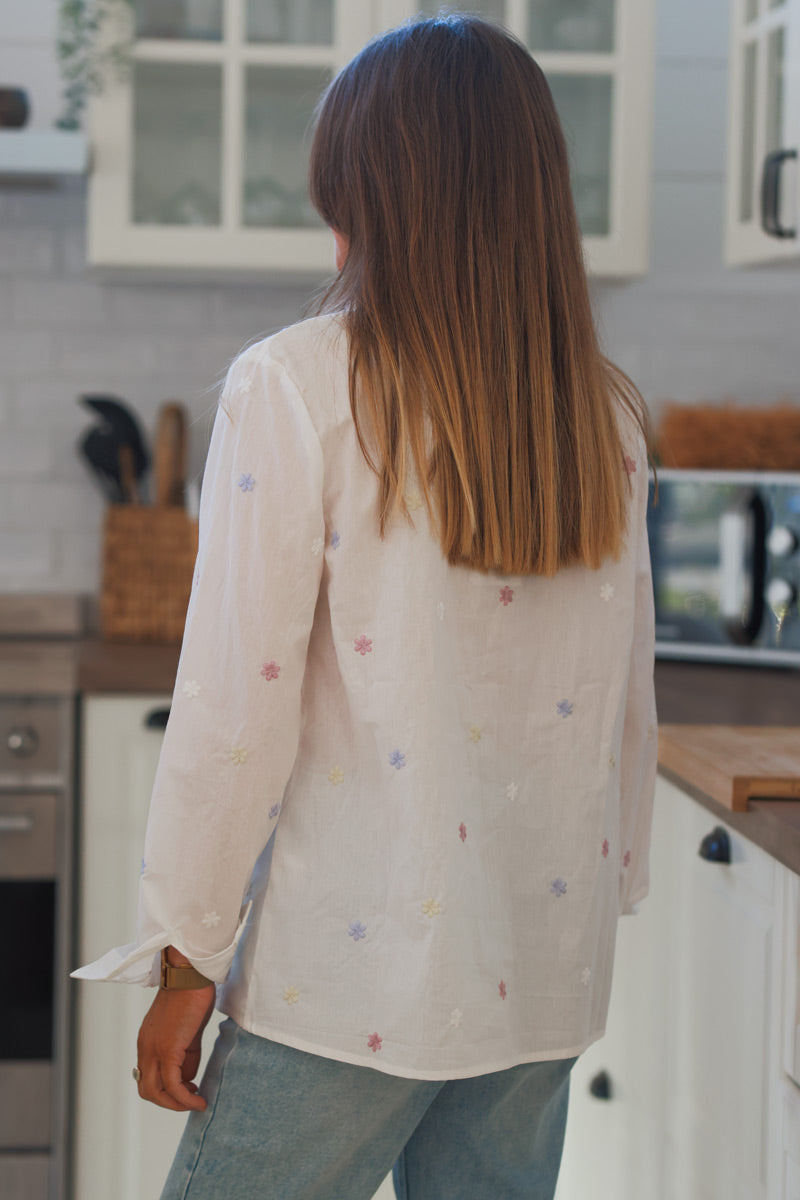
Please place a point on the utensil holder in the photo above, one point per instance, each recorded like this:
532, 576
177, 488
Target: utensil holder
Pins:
149, 554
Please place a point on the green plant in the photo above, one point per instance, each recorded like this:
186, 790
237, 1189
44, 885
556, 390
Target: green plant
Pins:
91, 44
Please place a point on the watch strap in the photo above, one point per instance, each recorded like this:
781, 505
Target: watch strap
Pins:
181, 978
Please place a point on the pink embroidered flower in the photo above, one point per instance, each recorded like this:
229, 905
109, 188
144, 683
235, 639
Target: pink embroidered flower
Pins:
270, 670
362, 644
605, 848
630, 464
374, 1042
627, 859
462, 831
506, 595
502, 989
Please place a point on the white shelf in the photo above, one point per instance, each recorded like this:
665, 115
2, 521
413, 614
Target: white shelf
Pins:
42, 152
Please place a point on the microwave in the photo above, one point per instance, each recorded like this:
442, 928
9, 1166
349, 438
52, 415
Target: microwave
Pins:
725, 556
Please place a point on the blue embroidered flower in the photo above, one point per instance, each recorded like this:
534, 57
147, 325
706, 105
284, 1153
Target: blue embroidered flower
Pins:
564, 708
397, 759
247, 483
335, 539
357, 931
558, 887
273, 812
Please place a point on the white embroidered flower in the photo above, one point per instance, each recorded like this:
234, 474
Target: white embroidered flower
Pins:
440, 610
431, 908
511, 792
291, 995
246, 385
211, 920
607, 591
238, 755
475, 733
586, 975
336, 775
191, 688
316, 545
651, 729
455, 1018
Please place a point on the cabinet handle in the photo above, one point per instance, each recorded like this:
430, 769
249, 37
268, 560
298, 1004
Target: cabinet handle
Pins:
716, 846
771, 194
16, 823
157, 719
600, 1087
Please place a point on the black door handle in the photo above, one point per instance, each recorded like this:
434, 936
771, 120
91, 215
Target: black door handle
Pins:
157, 718
600, 1087
716, 846
771, 194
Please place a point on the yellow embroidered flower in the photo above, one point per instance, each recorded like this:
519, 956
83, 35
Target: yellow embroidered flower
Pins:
336, 775
612, 761
238, 755
413, 500
475, 733
291, 995
431, 908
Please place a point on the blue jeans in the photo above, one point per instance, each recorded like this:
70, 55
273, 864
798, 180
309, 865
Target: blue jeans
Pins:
282, 1124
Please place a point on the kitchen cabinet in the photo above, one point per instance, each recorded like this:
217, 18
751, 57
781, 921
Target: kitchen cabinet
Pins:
762, 194
199, 151
122, 1147
692, 1049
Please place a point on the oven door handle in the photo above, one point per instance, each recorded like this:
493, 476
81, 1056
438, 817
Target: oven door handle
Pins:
744, 633
16, 823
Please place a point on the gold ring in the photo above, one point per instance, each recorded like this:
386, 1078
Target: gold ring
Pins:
137, 1074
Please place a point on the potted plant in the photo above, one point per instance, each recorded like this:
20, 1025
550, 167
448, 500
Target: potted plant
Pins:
94, 38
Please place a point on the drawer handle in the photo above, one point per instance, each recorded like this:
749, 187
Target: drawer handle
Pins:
716, 846
600, 1087
23, 823
157, 718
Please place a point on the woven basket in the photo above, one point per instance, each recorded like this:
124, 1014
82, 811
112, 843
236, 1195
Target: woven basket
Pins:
148, 564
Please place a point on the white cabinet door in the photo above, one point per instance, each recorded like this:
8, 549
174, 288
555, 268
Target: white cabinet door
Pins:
199, 150
763, 177
598, 58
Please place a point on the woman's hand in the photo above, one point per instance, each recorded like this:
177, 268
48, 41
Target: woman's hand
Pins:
169, 1047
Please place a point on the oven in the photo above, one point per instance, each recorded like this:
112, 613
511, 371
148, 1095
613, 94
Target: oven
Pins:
37, 733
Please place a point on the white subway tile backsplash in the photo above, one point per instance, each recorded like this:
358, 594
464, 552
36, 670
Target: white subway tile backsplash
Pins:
24, 350
96, 354
689, 112
48, 504
26, 560
27, 251
24, 454
58, 303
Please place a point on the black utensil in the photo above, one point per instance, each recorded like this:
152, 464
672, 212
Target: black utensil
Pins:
118, 439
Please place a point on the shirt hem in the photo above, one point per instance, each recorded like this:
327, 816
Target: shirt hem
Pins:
387, 1067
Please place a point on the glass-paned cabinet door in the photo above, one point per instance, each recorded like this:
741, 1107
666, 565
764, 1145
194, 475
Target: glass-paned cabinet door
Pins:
598, 58
200, 150
763, 172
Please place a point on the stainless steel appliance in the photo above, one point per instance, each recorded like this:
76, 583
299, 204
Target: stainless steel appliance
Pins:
725, 552
37, 731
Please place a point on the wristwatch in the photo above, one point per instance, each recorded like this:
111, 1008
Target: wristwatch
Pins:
180, 978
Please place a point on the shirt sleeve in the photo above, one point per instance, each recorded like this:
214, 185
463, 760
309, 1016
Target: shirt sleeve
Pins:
234, 726
639, 738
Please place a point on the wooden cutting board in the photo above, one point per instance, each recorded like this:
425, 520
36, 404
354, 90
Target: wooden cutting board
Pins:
731, 763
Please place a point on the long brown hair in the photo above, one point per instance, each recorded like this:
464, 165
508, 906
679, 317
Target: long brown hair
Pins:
474, 362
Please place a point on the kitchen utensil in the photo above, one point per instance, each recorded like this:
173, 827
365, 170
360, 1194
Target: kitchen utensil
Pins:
101, 447
731, 763
14, 108
169, 455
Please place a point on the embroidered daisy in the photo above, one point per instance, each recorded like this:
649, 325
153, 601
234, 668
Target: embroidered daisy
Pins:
291, 995
604, 848
362, 644
246, 385
612, 761
238, 755
431, 908
456, 1017
374, 1041
558, 887
502, 989
357, 931
335, 539
440, 610
273, 812
397, 759
270, 670
191, 689
475, 733
626, 861
316, 545
413, 501
607, 591
512, 791
506, 596
564, 708
211, 920
630, 464
246, 483
462, 831
336, 775
586, 975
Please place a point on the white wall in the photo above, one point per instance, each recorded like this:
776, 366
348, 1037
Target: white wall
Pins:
691, 330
